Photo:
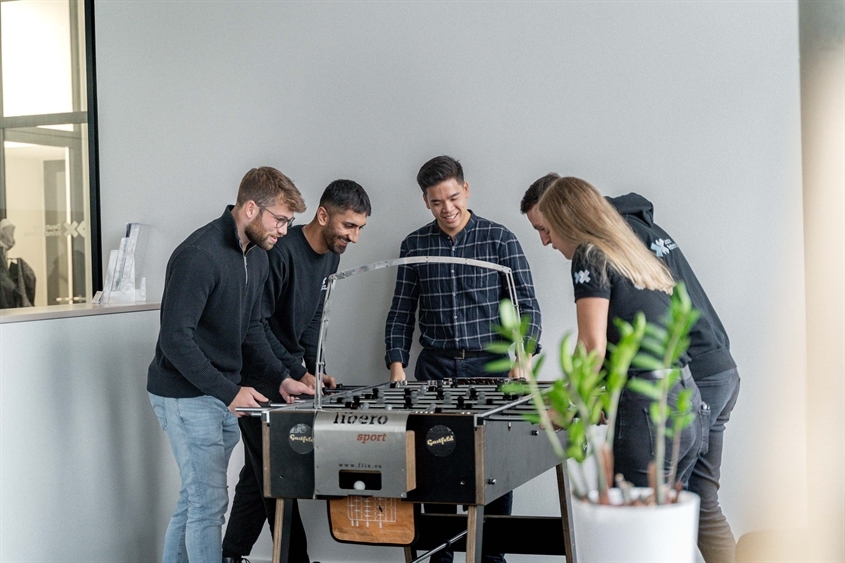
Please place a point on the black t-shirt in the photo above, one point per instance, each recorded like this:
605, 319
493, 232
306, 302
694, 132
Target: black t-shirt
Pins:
592, 277
293, 304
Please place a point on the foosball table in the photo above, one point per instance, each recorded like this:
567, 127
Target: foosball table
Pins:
377, 452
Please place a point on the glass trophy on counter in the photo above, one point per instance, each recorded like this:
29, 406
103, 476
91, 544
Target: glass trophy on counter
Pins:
125, 281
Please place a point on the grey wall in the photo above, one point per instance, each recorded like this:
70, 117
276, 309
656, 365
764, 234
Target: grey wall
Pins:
694, 104
84, 469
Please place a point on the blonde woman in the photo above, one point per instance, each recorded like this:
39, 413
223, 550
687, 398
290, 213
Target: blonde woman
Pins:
615, 276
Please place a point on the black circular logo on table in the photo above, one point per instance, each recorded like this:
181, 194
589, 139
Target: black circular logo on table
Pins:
301, 439
440, 440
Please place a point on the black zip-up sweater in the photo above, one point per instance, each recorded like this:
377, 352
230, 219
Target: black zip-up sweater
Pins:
709, 344
211, 317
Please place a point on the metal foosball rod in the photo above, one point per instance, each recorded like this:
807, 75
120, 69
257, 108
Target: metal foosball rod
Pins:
332, 279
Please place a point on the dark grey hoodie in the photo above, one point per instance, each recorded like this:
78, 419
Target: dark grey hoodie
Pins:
709, 343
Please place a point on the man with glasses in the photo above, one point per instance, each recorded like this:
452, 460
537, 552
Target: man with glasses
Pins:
281, 222
293, 306
211, 324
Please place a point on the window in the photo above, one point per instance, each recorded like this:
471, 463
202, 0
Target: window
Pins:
49, 216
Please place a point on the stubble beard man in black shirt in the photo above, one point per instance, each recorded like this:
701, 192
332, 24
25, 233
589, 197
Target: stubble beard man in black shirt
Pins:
293, 304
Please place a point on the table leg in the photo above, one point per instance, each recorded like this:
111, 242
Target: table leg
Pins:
475, 532
566, 513
281, 530
278, 527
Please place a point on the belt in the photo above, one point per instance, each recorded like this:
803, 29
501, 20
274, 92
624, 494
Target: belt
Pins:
459, 354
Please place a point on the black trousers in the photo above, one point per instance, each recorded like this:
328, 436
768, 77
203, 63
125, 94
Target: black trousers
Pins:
715, 538
250, 509
633, 448
431, 366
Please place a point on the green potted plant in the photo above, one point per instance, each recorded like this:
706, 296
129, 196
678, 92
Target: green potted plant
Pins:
586, 394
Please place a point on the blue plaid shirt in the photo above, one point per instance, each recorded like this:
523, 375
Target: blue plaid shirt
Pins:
458, 304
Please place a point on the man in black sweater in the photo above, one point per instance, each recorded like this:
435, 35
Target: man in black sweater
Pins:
210, 324
712, 366
293, 307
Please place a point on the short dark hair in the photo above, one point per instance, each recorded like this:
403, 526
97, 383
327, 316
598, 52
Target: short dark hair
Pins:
439, 169
345, 195
267, 186
535, 191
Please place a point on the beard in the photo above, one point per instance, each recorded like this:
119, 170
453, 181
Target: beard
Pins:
336, 243
258, 235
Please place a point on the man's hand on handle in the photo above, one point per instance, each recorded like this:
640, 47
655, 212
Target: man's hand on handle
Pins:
311, 381
291, 387
246, 397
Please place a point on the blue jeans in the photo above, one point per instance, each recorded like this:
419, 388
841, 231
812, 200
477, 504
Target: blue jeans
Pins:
715, 539
202, 434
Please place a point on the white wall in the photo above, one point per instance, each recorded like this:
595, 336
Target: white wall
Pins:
693, 104
86, 473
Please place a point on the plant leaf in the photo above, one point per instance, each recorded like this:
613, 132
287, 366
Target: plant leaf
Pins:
684, 402
647, 362
515, 388
566, 355
498, 347
499, 365
507, 314
658, 332
644, 387
538, 364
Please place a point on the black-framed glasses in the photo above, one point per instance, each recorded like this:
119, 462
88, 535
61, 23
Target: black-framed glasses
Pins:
280, 221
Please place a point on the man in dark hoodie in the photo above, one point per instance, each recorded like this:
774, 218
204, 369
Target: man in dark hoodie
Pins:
210, 322
293, 305
712, 366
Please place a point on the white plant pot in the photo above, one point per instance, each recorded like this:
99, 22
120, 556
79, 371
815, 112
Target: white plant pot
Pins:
651, 534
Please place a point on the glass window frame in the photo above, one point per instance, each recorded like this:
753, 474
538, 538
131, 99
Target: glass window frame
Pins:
88, 117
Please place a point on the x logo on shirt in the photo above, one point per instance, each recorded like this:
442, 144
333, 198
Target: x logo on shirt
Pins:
582, 277
659, 247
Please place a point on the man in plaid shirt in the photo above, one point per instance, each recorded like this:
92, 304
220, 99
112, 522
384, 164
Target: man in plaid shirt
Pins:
458, 304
